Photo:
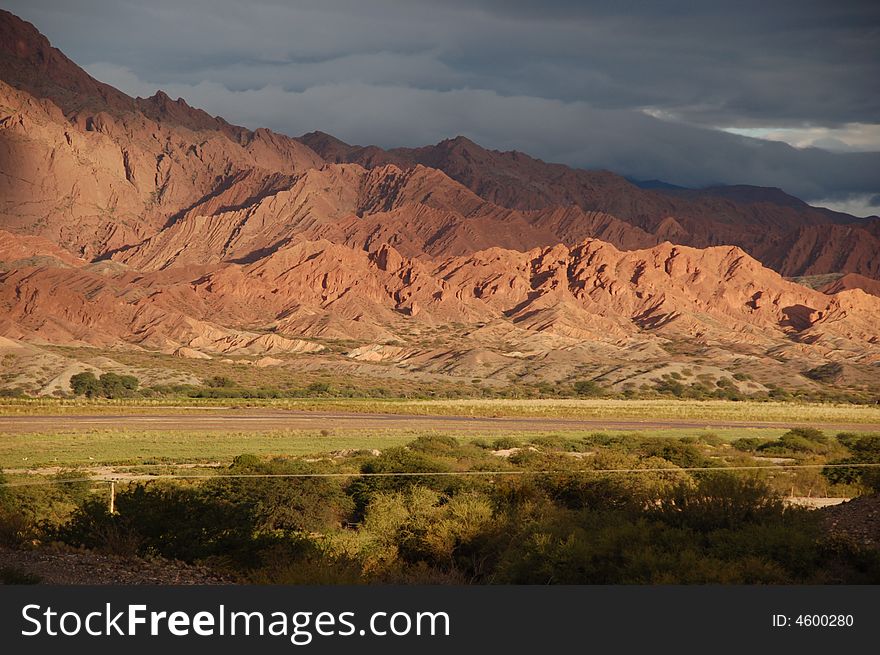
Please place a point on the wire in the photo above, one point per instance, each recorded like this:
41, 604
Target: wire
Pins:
414, 474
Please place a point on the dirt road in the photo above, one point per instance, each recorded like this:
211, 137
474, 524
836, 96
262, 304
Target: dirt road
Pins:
267, 420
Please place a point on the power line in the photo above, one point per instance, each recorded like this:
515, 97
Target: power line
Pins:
415, 474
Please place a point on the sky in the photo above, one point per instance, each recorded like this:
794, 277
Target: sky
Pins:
695, 93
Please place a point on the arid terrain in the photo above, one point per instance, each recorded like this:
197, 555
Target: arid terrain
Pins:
229, 354
142, 236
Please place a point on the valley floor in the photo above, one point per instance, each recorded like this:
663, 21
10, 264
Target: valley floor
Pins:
327, 490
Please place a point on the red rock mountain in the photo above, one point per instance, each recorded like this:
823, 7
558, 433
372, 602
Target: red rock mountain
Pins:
853, 281
145, 223
783, 232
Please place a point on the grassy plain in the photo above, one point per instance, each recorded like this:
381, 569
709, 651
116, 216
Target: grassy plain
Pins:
120, 447
138, 443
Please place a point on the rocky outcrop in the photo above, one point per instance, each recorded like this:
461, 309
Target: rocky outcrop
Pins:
590, 292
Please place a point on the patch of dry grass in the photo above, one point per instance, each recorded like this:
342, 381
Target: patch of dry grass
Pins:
709, 410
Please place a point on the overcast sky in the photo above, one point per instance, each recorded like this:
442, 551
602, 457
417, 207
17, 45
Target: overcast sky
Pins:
774, 93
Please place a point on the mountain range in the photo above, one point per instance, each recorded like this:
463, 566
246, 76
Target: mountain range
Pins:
144, 224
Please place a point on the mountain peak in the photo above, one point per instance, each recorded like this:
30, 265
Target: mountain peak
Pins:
318, 137
20, 38
161, 97
161, 107
459, 142
29, 62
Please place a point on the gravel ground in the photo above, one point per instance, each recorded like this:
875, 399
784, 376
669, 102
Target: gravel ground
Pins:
66, 566
857, 519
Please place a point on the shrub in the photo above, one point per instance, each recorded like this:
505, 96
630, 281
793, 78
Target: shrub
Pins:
426, 527
748, 444
15, 527
865, 449
778, 393
281, 504
319, 388
504, 443
670, 386
175, 522
719, 501
825, 372
398, 460
435, 444
219, 381
587, 388
799, 441
677, 452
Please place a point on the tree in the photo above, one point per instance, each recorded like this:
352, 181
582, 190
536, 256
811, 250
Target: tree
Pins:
86, 384
118, 386
109, 385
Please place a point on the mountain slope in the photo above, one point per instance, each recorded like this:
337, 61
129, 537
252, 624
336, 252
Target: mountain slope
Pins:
767, 223
591, 291
97, 170
853, 281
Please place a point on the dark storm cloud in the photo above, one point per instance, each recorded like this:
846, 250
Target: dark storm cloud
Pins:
567, 81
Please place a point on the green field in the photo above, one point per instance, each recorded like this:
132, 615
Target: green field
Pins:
121, 444
133, 447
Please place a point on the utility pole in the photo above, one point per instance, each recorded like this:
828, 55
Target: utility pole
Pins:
113, 496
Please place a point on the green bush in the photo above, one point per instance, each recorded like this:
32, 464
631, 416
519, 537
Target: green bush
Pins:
281, 504
435, 445
16, 527
864, 449
399, 460
118, 386
799, 441
719, 501
748, 444
562, 522
677, 452
175, 522
504, 443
